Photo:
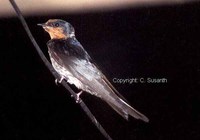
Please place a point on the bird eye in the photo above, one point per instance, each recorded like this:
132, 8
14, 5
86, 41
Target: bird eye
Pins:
56, 25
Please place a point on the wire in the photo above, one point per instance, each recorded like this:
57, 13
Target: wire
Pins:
55, 74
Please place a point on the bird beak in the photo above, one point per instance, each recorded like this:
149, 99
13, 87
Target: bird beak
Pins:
42, 24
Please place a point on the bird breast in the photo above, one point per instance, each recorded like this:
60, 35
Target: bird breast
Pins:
63, 72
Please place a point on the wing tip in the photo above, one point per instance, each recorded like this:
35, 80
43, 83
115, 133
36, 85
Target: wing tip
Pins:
145, 119
141, 117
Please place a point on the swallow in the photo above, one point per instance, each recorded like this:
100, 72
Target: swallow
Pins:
73, 64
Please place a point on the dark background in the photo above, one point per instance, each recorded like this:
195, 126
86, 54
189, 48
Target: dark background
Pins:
152, 42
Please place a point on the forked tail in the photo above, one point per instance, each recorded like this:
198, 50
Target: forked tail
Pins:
125, 109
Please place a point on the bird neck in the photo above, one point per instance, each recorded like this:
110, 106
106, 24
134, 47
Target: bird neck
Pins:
55, 35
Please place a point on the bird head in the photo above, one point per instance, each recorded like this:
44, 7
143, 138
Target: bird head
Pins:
58, 29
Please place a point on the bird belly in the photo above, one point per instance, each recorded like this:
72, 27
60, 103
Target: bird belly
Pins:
63, 72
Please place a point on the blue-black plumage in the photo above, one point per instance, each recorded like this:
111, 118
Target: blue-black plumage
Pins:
73, 63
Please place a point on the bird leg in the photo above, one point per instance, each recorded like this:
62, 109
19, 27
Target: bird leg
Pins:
60, 80
78, 96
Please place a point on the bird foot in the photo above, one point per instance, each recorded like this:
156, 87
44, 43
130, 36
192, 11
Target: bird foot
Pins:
78, 96
60, 80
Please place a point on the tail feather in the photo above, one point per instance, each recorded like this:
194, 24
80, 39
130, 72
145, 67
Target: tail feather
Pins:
119, 110
118, 102
124, 109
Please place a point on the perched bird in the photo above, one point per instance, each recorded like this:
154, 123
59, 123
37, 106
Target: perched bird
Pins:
74, 65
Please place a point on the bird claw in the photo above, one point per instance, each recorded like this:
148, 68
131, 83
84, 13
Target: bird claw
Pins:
78, 97
60, 80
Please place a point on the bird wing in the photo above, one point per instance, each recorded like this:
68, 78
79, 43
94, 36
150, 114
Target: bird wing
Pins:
96, 83
75, 59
